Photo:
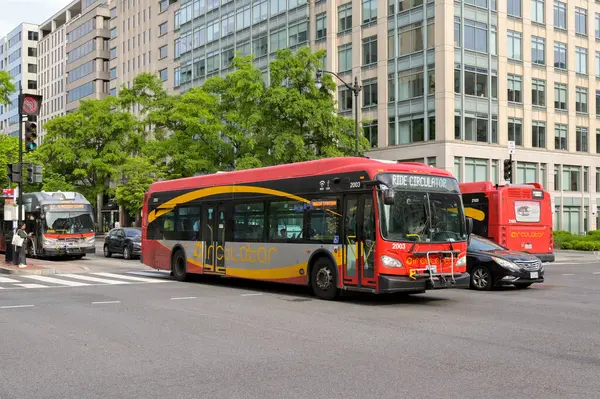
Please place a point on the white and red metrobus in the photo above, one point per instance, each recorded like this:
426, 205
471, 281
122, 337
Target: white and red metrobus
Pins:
335, 224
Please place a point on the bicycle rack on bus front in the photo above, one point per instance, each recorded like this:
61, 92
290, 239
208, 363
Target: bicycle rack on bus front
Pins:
429, 269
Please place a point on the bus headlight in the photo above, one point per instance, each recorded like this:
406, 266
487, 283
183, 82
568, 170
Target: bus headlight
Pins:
90, 240
388, 261
49, 242
462, 261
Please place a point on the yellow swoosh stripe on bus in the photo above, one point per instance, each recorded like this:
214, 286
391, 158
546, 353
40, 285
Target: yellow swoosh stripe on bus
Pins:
471, 212
210, 191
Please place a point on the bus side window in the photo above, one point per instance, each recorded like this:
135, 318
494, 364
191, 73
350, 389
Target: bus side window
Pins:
249, 222
323, 221
286, 220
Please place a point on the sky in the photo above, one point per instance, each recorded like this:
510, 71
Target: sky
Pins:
13, 12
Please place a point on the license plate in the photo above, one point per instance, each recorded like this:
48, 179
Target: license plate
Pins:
528, 246
534, 274
433, 268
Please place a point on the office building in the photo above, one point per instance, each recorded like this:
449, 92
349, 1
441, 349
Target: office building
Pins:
18, 56
52, 63
142, 40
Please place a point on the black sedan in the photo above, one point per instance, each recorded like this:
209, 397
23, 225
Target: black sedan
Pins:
491, 265
126, 241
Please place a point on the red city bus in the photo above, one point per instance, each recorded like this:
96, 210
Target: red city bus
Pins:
335, 224
518, 217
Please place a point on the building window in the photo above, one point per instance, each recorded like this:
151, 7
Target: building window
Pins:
571, 176
538, 92
163, 5
514, 45
561, 140
113, 73
476, 34
538, 134
537, 11
560, 96
411, 129
458, 169
32, 68
581, 99
162, 29
346, 100
370, 130
515, 130
456, 31
298, 34
514, 8
597, 141
411, 84
538, 45
113, 33
476, 82
345, 57
560, 55
370, 93
581, 139
410, 38
526, 172
32, 36
321, 22
391, 88
163, 74
345, 17
370, 51
163, 52
580, 21
560, 15
581, 60
597, 26
476, 169
598, 107
514, 88
369, 11
477, 128
32, 84
391, 44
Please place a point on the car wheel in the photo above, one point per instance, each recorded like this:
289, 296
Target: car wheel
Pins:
522, 286
179, 266
481, 278
127, 253
323, 279
107, 253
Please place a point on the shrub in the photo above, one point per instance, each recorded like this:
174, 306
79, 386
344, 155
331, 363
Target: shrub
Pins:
565, 245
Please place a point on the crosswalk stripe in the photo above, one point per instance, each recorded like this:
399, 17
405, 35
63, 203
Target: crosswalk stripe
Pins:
94, 279
25, 285
8, 280
59, 281
139, 279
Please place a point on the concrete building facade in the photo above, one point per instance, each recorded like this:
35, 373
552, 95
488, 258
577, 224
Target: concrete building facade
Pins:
18, 56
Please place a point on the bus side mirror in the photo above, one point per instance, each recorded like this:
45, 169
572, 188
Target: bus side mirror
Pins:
388, 197
469, 226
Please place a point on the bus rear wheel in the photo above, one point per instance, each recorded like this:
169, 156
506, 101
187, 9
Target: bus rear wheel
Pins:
323, 279
179, 266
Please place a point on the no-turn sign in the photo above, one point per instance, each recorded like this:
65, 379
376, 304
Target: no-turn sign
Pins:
30, 104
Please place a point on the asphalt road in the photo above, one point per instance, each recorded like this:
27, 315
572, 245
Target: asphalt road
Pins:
234, 339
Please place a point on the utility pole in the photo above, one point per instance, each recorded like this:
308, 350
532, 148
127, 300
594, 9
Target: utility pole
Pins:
20, 199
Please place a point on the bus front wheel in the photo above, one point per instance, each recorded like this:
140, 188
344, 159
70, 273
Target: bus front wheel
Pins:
179, 266
323, 279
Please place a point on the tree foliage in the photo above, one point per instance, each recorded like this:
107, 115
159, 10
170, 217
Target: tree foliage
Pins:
230, 122
7, 87
9, 153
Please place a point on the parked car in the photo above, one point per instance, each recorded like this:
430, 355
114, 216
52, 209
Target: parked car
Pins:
491, 265
126, 241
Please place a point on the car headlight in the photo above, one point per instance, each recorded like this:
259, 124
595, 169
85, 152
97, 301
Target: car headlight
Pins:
388, 261
90, 240
462, 261
137, 244
507, 264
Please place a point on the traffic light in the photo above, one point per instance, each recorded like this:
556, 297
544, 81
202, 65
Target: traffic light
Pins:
508, 170
34, 174
30, 136
14, 172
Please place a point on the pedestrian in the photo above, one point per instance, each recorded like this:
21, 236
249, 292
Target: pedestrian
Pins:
20, 246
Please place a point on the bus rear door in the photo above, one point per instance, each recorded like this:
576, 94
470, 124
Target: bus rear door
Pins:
213, 235
359, 241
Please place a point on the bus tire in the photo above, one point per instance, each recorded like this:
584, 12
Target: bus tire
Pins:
179, 266
323, 279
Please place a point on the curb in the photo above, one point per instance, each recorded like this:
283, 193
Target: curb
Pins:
25, 271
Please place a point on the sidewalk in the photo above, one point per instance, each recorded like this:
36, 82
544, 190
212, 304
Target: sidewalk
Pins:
576, 256
42, 267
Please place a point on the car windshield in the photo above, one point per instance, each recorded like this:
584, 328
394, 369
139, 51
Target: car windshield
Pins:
423, 216
133, 233
73, 222
483, 244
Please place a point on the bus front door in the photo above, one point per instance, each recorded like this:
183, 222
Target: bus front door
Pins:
213, 235
359, 241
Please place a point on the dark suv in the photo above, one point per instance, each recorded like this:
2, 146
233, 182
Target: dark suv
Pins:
126, 241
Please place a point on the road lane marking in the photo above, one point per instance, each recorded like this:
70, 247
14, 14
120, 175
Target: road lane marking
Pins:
57, 281
131, 278
25, 285
596, 273
16, 306
183, 297
251, 294
103, 302
8, 280
568, 274
94, 279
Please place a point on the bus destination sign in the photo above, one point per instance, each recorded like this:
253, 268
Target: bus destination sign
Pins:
423, 182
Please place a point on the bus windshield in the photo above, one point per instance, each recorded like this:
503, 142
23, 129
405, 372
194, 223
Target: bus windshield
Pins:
68, 222
423, 216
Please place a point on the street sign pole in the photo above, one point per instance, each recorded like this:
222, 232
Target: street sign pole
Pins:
511, 151
20, 199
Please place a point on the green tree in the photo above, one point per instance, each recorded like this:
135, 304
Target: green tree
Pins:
89, 146
138, 173
9, 153
7, 87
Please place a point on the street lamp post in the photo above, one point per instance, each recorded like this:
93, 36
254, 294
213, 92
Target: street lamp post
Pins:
355, 89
